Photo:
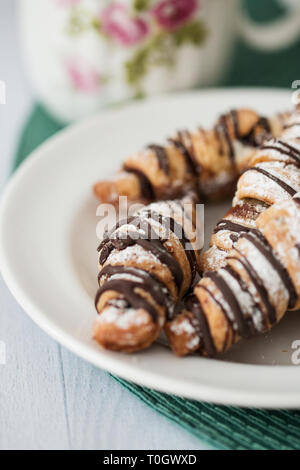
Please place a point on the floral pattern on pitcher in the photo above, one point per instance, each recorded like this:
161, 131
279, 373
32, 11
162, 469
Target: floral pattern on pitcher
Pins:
83, 76
117, 24
150, 31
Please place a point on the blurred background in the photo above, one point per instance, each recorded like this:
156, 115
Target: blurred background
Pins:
76, 56
81, 55
73, 57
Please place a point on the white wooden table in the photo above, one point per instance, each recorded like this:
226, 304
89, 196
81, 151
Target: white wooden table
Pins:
49, 398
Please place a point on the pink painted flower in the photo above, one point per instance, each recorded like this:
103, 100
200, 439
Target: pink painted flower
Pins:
172, 13
117, 23
83, 76
67, 3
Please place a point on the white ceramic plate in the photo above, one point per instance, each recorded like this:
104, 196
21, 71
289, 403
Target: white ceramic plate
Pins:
48, 252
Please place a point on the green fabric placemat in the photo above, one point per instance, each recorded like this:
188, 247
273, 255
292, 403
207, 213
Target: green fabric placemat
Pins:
219, 426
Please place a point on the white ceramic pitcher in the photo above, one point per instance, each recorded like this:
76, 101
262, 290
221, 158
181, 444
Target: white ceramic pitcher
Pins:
84, 54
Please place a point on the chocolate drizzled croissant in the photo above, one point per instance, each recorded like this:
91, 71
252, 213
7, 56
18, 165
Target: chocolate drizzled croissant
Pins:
274, 175
253, 290
147, 262
206, 160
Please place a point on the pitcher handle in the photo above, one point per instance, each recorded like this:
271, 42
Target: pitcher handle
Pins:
277, 35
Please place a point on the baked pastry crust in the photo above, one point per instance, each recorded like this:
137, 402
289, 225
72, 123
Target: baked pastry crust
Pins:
253, 264
251, 292
273, 175
208, 161
145, 268
252, 268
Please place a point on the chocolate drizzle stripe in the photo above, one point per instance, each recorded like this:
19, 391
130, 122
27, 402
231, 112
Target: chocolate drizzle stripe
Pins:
200, 286
274, 147
264, 123
179, 203
287, 150
189, 152
296, 200
267, 251
252, 138
280, 183
161, 156
243, 286
225, 224
221, 128
191, 167
155, 246
147, 190
291, 148
194, 306
293, 124
178, 231
229, 296
219, 140
235, 122
259, 285
148, 282
127, 289
107, 235
256, 139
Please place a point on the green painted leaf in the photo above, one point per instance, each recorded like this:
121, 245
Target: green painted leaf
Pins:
194, 32
141, 5
161, 50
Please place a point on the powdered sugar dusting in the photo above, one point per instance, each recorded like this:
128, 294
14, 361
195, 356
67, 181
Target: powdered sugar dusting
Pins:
257, 185
244, 299
292, 127
123, 319
183, 326
215, 258
267, 273
127, 277
134, 252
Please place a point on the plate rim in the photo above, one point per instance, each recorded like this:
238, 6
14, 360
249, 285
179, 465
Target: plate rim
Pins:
112, 364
